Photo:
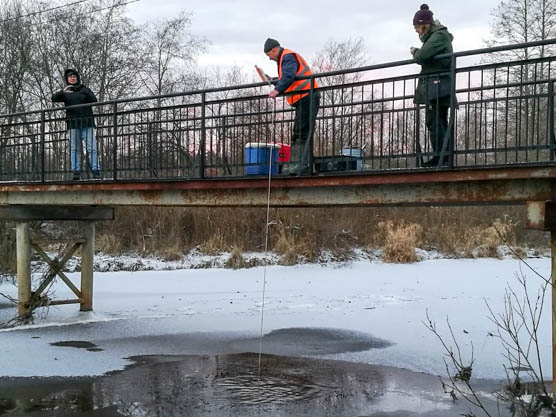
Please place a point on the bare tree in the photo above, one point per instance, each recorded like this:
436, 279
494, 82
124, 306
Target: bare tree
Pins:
169, 52
97, 40
521, 75
15, 52
519, 21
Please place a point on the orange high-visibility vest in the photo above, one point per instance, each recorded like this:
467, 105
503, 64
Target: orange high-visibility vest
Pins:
297, 85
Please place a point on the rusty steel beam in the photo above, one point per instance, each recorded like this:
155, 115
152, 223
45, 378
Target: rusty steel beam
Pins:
454, 187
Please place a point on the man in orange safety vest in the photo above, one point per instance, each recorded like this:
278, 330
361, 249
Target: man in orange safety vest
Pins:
298, 93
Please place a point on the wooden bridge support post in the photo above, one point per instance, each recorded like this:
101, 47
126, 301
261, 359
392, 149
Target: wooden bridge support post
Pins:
87, 260
23, 244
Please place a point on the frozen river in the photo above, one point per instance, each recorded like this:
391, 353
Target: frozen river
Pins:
363, 313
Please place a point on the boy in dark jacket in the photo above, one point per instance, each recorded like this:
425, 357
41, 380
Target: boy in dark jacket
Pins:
79, 121
433, 89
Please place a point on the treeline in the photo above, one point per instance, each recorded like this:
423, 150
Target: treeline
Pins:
116, 57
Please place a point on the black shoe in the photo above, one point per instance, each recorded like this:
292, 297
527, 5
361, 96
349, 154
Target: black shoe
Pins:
97, 175
76, 176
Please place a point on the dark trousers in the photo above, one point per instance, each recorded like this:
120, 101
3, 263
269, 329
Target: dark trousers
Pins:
304, 125
436, 119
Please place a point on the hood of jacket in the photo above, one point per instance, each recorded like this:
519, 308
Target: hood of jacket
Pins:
435, 27
71, 71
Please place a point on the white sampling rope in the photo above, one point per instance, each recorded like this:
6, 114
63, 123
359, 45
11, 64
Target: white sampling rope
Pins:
270, 153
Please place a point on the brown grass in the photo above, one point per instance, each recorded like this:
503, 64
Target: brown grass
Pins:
459, 231
236, 260
7, 248
400, 241
303, 233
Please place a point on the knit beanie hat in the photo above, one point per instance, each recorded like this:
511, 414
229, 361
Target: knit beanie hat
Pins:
269, 44
423, 16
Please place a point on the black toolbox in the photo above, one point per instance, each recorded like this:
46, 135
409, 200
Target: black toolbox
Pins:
335, 163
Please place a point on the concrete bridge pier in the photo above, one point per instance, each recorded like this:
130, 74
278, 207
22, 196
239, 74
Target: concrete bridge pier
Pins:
86, 216
541, 215
23, 242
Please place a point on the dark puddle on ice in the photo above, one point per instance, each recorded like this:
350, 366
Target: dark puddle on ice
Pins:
91, 347
285, 385
226, 385
231, 386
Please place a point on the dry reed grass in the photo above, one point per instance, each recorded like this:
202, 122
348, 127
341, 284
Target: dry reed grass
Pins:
400, 241
303, 233
236, 260
7, 248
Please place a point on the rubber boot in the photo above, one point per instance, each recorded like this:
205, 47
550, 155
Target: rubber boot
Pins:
291, 167
303, 167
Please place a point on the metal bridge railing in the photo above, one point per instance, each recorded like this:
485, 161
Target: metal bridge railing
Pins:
502, 114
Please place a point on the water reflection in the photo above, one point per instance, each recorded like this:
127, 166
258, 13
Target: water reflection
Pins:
230, 385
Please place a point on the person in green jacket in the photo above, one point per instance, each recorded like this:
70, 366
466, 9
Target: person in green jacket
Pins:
434, 86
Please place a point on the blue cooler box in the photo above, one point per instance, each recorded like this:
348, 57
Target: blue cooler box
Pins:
258, 153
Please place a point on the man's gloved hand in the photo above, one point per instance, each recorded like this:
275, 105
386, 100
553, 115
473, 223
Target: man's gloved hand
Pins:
412, 50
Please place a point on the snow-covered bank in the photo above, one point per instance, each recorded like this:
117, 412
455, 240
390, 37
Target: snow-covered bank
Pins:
195, 259
215, 311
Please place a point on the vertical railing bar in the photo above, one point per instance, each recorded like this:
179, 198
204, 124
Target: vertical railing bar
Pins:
42, 156
362, 127
381, 160
519, 115
535, 126
203, 136
495, 119
392, 157
419, 157
468, 120
482, 119
307, 154
507, 115
115, 134
551, 138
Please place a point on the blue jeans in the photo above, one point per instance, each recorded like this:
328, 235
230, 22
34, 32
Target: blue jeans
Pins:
76, 138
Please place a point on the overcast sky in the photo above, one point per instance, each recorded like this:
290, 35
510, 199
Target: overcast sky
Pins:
237, 29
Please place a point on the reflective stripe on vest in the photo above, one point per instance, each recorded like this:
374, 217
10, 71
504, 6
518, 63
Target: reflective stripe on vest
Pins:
298, 85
